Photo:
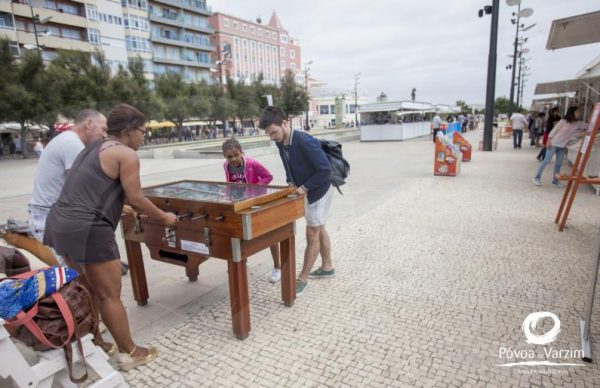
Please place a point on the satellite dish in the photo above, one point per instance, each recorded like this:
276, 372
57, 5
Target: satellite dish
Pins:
525, 13
512, 3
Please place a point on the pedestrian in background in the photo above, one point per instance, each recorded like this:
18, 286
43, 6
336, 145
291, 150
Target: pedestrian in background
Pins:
551, 120
563, 132
518, 122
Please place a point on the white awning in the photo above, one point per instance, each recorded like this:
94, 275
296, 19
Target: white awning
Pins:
574, 31
566, 86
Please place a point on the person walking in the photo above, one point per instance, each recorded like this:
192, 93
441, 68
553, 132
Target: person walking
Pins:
308, 170
563, 132
553, 118
518, 122
436, 124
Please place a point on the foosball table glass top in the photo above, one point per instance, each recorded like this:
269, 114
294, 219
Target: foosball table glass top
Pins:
219, 192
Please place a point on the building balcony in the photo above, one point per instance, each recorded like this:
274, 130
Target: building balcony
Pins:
182, 43
188, 5
180, 22
183, 62
57, 16
54, 42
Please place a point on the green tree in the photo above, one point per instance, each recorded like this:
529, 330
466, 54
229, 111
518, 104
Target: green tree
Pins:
84, 81
464, 107
176, 98
261, 89
244, 97
293, 99
130, 86
20, 89
501, 105
222, 106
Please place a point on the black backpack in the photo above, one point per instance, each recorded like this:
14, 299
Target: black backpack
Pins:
340, 168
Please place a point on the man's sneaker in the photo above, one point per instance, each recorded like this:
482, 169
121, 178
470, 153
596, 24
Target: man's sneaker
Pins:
275, 275
536, 182
320, 273
557, 183
300, 287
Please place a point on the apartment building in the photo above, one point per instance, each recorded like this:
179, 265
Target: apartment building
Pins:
60, 24
245, 49
180, 36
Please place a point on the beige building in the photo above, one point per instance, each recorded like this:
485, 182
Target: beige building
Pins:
60, 24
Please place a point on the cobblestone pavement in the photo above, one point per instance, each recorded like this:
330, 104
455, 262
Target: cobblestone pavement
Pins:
431, 285
434, 278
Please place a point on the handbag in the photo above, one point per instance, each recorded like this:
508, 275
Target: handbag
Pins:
54, 321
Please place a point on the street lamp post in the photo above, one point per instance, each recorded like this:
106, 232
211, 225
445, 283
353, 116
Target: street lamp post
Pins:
519, 14
306, 70
488, 129
356, 79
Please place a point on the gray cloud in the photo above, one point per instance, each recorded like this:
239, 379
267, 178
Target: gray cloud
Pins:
439, 47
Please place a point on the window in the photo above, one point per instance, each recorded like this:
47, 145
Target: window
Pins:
226, 23
94, 36
110, 19
324, 109
252, 30
137, 44
293, 66
6, 21
332, 109
244, 27
92, 12
71, 33
140, 4
282, 52
351, 108
235, 25
284, 39
283, 64
260, 32
274, 35
292, 54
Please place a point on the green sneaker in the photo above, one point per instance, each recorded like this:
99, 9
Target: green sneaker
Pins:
320, 273
300, 286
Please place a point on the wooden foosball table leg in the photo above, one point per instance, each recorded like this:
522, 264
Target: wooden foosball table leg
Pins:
137, 272
238, 295
191, 268
288, 271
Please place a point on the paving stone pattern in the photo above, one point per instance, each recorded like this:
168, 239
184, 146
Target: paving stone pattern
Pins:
430, 285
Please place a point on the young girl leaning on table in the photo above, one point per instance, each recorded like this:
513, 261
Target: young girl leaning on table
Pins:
243, 169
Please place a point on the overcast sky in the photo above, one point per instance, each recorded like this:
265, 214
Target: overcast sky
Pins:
439, 47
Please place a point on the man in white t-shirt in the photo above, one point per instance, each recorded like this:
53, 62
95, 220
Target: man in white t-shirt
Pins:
518, 122
56, 161
435, 125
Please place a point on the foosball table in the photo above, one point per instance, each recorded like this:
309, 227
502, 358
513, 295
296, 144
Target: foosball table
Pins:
228, 221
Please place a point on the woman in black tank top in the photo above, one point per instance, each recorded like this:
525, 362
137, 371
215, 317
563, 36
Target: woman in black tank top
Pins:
81, 224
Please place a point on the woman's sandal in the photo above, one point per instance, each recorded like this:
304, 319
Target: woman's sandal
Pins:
130, 363
109, 349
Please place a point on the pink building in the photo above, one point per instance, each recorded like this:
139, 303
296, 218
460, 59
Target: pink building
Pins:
245, 49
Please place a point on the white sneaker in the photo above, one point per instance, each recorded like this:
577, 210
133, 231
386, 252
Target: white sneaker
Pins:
536, 182
275, 275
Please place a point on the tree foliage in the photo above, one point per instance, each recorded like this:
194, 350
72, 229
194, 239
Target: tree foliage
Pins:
34, 92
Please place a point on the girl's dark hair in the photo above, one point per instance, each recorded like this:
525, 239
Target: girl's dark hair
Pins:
231, 144
570, 116
123, 118
272, 115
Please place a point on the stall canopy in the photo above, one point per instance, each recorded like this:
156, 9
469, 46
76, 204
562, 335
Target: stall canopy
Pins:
574, 31
163, 124
566, 86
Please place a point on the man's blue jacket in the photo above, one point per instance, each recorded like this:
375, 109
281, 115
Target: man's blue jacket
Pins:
307, 166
